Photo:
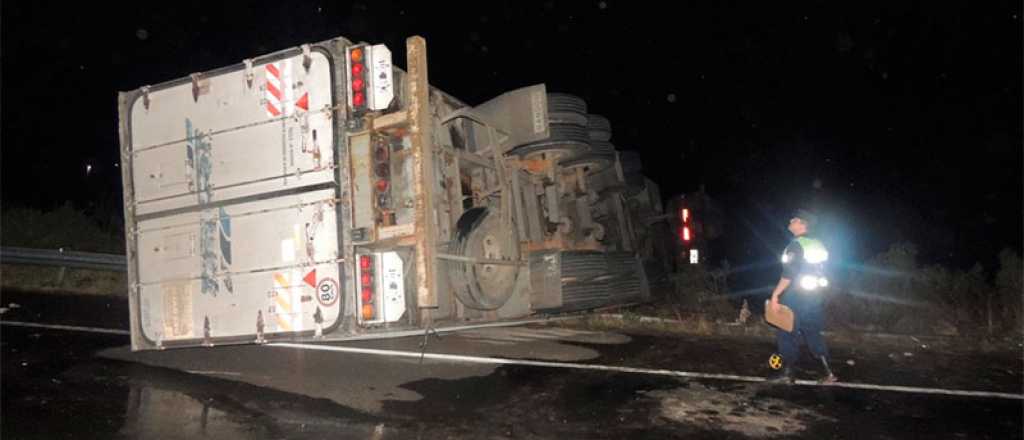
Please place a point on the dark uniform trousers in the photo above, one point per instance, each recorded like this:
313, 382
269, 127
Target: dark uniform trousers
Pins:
808, 322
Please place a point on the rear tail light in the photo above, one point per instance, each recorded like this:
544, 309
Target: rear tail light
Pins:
368, 288
367, 294
382, 169
684, 224
357, 79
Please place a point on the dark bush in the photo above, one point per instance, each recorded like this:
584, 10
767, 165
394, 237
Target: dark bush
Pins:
64, 227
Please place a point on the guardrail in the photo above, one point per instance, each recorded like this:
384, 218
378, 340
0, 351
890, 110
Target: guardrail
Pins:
62, 258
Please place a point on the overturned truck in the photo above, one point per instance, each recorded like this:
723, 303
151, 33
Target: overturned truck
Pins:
320, 192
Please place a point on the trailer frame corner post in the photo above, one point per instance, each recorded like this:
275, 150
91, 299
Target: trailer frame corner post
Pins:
423, 156
125, 104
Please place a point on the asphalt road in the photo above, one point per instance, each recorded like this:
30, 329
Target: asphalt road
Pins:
67, 384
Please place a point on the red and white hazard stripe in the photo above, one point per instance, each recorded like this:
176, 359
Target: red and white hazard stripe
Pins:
274, 95
280, 95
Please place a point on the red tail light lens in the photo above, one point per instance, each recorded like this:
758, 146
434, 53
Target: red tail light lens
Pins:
382, 185
686, 233
364, 262
686, 215
358, 99
366, 279
368, 312
357, 70
367, 294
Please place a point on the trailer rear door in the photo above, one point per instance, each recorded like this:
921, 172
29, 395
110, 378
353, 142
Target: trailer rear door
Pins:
233, 231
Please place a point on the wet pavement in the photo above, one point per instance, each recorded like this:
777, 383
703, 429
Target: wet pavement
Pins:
56, 386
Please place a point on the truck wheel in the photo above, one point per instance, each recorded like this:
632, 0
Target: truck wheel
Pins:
591, 162
570, 118
604, 147
565, 139
479, 235
563, 102
599, 128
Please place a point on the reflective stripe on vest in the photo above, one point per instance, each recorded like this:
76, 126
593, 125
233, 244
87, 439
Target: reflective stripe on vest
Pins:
814, 250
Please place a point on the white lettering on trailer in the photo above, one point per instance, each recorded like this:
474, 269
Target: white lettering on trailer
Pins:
540, 115
381, 77
392, 286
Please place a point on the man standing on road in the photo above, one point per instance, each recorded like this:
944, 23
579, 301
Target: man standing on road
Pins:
802, 288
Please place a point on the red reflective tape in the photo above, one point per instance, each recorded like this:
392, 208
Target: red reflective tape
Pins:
273, 91
273, 110
272, 69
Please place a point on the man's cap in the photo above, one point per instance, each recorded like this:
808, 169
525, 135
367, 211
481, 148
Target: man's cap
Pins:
807, 216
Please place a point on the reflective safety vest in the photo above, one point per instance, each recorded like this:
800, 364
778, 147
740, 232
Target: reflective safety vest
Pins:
811, 277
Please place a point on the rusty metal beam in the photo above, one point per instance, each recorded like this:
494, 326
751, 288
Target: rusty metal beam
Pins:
462, 259
423, 178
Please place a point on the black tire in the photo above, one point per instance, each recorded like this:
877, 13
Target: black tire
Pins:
593, 162
599, 135
581, 296
569, 118
603, 147
598, 122
563, 138
563, 102
599, 128
583, 266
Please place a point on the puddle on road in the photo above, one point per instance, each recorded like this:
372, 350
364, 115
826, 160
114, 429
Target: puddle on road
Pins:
161, 404
736, 410
158, 413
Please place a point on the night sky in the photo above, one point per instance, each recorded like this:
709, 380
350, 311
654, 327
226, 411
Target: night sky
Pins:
894, 120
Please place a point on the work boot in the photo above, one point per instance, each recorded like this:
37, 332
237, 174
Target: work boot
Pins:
784, 375
828, 378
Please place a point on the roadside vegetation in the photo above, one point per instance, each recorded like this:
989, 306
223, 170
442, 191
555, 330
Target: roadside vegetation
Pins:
64, 227
892, 292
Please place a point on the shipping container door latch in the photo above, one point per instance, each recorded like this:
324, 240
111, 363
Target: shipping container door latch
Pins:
318, 317
206, 332
307, 58
259, 328
195, 86
249, 76
145, 97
